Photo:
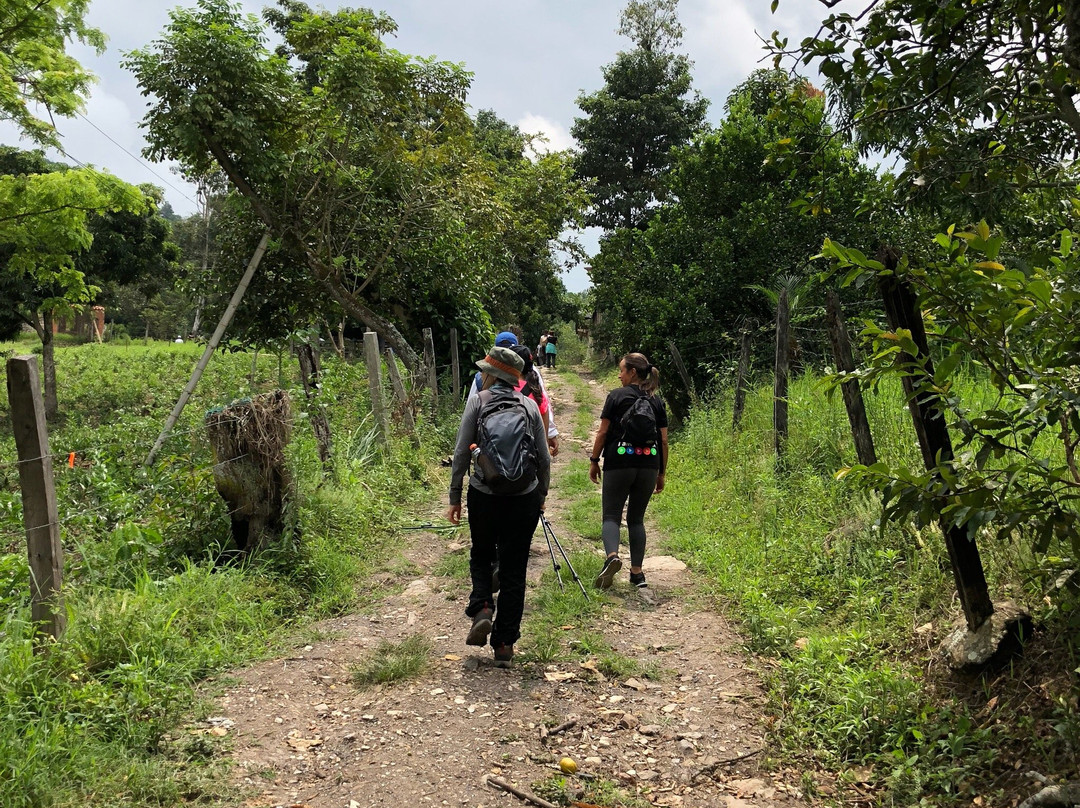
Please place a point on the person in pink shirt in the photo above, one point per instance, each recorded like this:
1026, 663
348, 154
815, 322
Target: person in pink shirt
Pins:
529, 385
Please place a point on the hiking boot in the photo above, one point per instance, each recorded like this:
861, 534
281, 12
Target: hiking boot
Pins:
638, 579
495, 579
481, 627
607, 573
504, 656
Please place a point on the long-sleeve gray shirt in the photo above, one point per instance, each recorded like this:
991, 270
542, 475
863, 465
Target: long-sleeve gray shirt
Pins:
466, 436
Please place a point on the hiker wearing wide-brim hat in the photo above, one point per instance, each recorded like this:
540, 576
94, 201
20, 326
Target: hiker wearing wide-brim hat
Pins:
503, 364
502, 432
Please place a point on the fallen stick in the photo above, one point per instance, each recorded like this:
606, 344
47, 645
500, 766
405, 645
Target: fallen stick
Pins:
563, 727
712, 767
517, 792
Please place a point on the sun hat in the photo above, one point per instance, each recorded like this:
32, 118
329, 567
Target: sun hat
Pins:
506, 339
502, 363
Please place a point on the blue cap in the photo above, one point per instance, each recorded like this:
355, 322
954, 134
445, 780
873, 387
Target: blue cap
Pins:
506, 339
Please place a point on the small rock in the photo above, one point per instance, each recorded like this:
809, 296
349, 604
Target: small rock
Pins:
629, 721
650, 729
647, 775
634, 684
686, 748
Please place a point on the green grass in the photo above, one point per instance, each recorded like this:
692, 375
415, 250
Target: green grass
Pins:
154, 606
394, 662
798, 558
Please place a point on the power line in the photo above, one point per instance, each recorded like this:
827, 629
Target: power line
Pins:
136, 158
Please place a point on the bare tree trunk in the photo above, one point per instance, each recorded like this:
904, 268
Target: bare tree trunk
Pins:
198, 317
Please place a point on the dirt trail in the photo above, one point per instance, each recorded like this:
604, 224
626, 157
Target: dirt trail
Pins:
303, 735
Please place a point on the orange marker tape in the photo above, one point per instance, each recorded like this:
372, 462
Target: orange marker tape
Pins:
71, 460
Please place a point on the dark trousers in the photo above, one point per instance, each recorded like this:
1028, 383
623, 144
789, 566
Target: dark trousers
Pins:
637, 486
502, 528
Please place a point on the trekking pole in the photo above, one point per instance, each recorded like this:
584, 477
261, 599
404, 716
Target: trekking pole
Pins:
562, 552
551, 550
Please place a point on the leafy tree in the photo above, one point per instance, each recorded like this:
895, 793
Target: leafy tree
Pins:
977, 99
540, 197
359, 157
45, 218
131, 250
644, 109
737, 219
35, 70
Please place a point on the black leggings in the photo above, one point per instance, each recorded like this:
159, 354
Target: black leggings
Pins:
637, 486
502, 528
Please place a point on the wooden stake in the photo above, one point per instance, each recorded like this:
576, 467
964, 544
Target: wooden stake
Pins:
429, 369
853, 400
211, 346
401, 397
374, 371
40, 519
780, 381
455, 364
740, 376
681, 368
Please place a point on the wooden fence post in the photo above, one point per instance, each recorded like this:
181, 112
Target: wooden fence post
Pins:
429, 367
401, 397
374, 371
681, 368
455, 364
741, 374
309, 377
780, 381
40, 519
902, 311
853, 400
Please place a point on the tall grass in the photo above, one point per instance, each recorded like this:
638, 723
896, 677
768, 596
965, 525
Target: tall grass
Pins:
833, 598
154, 604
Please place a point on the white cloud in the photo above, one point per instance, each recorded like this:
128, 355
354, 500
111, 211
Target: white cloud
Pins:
558, 137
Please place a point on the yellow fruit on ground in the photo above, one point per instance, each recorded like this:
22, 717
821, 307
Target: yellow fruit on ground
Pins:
568, 765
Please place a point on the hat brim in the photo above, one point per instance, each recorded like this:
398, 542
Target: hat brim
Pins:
498, 373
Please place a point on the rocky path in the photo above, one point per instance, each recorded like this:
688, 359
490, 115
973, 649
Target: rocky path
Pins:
302, 734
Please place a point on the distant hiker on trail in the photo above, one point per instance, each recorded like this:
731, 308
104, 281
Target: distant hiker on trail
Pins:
540, 355
508, 339
503, 433
551, 349
633, 440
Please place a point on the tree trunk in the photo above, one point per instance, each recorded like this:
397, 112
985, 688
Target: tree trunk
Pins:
48, 366
902, 311
198, 317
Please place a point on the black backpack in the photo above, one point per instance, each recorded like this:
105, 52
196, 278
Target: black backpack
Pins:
639, 422
505, 458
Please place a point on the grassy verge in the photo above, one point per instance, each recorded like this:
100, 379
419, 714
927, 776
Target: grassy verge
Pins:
850, 616
156, 602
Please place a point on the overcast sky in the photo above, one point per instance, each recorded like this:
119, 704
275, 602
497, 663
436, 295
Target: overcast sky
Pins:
530, 61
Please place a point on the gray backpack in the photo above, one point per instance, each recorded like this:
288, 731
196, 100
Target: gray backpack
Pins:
506, 451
